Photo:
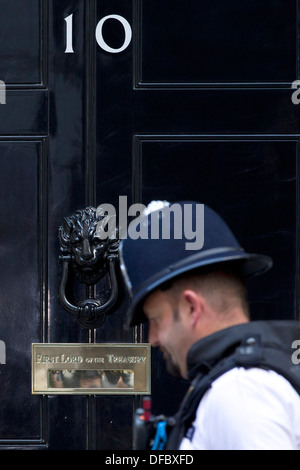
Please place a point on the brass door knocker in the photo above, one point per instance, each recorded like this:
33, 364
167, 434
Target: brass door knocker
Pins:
87, 257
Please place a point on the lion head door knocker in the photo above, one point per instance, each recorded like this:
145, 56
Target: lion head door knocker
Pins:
89, 254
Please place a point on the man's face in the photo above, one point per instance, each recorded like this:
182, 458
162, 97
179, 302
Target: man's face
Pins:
168, 330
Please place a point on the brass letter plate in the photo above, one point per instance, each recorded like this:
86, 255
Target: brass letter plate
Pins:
91, 369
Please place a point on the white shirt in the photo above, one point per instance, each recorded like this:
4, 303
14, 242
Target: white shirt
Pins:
247, 409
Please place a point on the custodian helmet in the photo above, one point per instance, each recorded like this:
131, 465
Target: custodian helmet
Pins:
150, 256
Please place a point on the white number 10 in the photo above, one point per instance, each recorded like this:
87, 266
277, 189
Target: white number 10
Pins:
99, 35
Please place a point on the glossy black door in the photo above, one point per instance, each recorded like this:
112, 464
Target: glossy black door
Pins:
204, 112
197, 106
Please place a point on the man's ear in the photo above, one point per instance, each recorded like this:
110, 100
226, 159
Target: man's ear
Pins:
195, 304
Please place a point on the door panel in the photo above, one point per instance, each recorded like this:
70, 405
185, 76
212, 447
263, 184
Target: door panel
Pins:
21, 26
216, 42
33, 118
20, 308
198, 106
254, 181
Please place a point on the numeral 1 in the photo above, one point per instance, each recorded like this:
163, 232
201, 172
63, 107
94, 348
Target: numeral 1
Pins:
69, 34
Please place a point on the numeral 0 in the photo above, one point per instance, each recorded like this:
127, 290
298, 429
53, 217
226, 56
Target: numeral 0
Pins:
99, 35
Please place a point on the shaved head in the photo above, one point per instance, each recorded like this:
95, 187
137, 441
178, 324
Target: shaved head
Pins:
224, 288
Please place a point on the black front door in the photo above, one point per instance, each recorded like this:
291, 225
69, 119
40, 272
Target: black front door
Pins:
149, 100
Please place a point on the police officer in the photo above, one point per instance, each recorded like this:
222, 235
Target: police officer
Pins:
245, 389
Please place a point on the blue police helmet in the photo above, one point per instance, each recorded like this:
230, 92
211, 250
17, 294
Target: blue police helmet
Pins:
167, 240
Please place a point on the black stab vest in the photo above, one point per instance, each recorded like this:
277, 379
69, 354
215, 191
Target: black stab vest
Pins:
263, 344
